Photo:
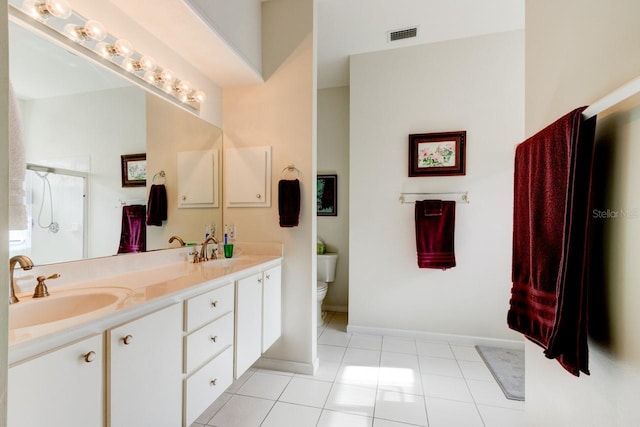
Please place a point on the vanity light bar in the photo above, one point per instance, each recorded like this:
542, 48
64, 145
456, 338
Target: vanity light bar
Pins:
93, 36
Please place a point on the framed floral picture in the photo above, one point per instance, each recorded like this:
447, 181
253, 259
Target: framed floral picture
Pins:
437, 154
327, 200
134, 170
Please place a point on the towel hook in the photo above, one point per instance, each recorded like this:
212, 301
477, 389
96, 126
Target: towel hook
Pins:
162, 177
290, 169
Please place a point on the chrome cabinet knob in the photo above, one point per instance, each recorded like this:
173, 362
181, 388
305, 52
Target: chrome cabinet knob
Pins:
214, 338
214, 304
260, 280
90, 357
213, 382
127, 339
268, 276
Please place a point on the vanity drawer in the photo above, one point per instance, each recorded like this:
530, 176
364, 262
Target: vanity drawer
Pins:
206, 385
209, 306
208, 341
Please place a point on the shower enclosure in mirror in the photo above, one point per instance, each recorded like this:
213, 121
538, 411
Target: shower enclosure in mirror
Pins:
78, 118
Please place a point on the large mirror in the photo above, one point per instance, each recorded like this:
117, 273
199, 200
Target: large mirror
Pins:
78, 119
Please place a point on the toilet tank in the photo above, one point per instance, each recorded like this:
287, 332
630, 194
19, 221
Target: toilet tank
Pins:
327, 267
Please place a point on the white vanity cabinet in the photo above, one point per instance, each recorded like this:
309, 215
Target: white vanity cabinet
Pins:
258, 316
144, 370
61, 388
208, 349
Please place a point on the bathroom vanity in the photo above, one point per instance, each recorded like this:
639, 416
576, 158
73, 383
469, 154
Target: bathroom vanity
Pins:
171, 342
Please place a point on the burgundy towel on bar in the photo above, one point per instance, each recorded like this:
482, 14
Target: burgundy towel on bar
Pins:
157, 205
552, 183
289, 202
133, 237
435, 224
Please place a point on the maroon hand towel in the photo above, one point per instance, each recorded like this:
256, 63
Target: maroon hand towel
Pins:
289, 202
435, 224
157, 205
133, 236
552, 183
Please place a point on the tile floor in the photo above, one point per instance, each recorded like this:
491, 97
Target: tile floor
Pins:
370, 381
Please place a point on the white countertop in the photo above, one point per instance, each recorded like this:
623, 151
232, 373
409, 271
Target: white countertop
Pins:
140, 292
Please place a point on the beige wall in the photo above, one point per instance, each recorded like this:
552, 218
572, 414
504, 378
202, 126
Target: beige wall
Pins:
474, 84
171, 130
280, 113
333, 158
576, 52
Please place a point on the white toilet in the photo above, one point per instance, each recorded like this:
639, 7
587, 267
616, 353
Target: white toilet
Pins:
326, 274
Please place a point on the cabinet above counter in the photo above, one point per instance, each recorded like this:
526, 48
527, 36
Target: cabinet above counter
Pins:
134, 291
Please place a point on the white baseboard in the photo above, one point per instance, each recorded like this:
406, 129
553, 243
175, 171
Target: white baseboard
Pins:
433, 336
337, 308
287, 365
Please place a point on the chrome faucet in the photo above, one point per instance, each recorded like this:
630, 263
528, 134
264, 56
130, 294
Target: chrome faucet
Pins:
26, 264
203, 251
172, 238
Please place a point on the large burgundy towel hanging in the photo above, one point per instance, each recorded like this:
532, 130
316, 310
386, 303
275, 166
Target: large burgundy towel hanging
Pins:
552, 183
133, 237
435, 224
289, 202
157, 205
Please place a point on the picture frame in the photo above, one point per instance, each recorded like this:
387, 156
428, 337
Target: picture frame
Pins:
134, 170
437, 154
327, 197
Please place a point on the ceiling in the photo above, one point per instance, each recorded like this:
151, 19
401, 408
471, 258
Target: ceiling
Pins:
348, 27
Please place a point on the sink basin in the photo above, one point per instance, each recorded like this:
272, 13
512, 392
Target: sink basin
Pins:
63, 305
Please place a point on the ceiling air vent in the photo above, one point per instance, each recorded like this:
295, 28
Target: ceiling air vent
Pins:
405, 33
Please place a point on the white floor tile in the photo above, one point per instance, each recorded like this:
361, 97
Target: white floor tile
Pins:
265, 386
401, 380
352, 399
214, 408
401, 407
377, 422
439, 366
449, 413
332, 337
399, 345
361, 357
446, 388
466, 352
242, 411
366, 376
330, 353
240, 381
288, 415
502, 417
490, 393
307, 392
434, 349
399, 360
327, 371
368, 342
339, 419
475, 371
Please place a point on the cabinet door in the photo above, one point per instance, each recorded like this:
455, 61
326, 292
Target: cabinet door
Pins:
271, 307
61, 388
145, 370
248, 322
198, 179
248, 177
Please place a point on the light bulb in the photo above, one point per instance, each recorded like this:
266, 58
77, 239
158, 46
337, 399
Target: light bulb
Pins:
91, 30
119, 48
42, 10
147, 63
183, 86
167, 75
150, 77
198, 96
183, 97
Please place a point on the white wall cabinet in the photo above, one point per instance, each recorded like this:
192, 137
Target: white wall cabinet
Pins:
258, 316
248, 177
145, 370
198, 179
60, 388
